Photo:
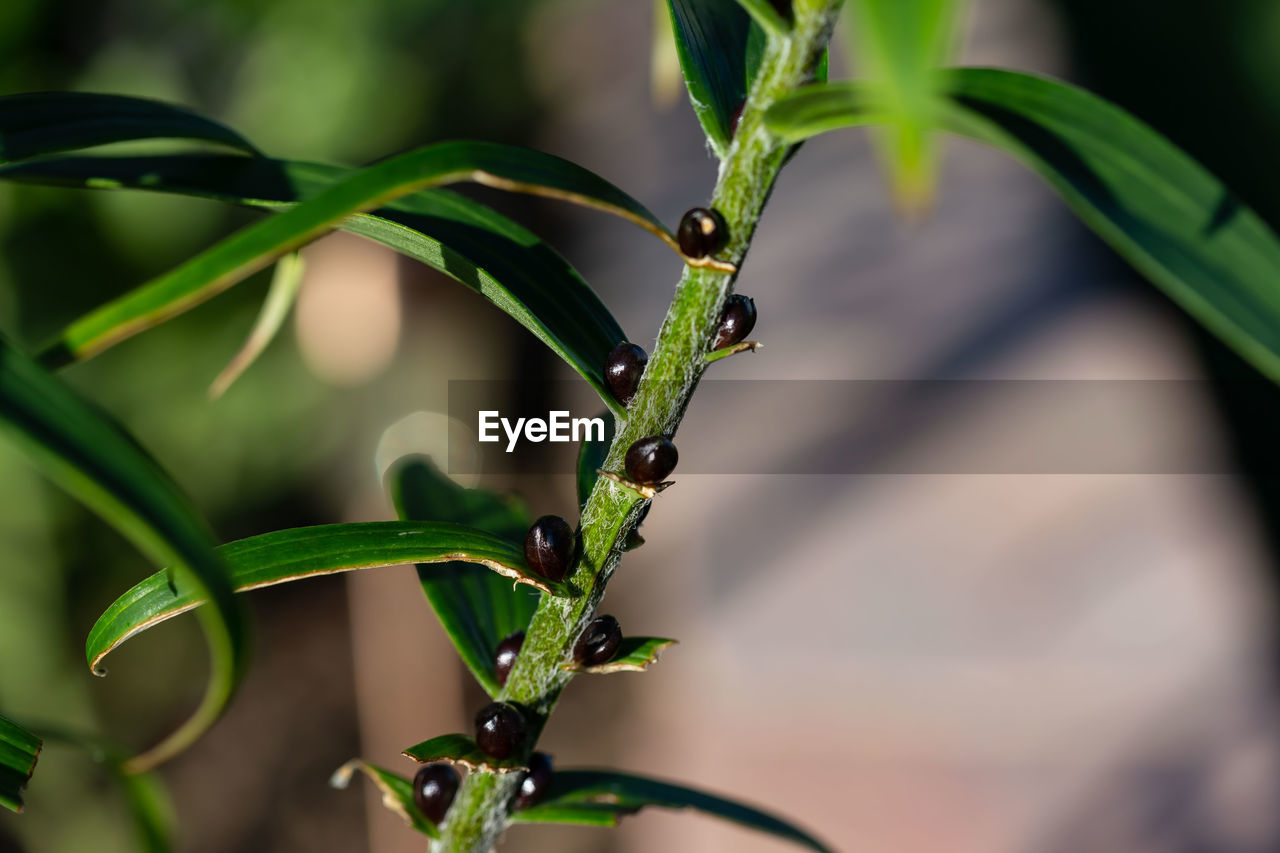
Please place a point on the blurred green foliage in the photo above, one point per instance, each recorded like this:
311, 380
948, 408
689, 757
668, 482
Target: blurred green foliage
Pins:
327, 80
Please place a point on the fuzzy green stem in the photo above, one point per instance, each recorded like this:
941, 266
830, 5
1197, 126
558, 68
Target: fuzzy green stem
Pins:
747, 173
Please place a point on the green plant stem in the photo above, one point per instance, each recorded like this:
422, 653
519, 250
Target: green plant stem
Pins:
747, 174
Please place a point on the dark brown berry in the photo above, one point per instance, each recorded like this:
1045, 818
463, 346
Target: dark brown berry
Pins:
736, 119
736, 322
500, 730
433, 790
534, 785
702, 232
599, 643
548, 547
650, 460
623, 369
506, 656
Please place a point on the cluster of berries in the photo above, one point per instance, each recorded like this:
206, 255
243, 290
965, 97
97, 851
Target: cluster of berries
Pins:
501, 729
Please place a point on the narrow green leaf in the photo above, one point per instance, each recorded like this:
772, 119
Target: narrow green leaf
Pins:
900, 44
47, 122
476, 608
254, 247
765, 14
83, 450
279, 302
636, 654
1159, 209
816, 109
460, 749
591, 456
397, 793
19, 751
587, 796
466, 240
153, 813
719, 48
302, 552
574, 814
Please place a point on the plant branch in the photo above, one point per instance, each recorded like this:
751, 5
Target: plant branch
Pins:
747, 173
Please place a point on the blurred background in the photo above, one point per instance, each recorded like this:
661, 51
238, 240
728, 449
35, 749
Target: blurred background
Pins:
965, 663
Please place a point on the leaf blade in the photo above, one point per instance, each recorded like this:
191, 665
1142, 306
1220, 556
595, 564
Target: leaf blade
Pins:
1151, 202
84, 451
48, 122
588, 793
281, 296
254, 247
1167, 215
19, 752
713, 42
463, 750
475, 609
397, 793
471, 243
287, 555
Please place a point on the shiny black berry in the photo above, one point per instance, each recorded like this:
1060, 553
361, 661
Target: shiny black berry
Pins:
737, 321
500, 730
534, 785
433, 790
548, 547
702, 232
783, 7
506, 656
599, 643
650, 460
622, 370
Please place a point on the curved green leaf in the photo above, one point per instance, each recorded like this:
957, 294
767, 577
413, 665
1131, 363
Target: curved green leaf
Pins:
466, 240
48, 122
636, 654
816, 109
460, 749
82, 449
397, 793
1158, 208
765, 14
19, 751
477, 608
285, 282
601, 797
719, 48
254, 247
302, 552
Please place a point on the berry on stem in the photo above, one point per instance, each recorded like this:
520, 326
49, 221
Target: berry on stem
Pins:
599, 642
702, 232
548, 547
736, 322
500, 730
622, 370
534, 785
650, 460
505, 658
434, 788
